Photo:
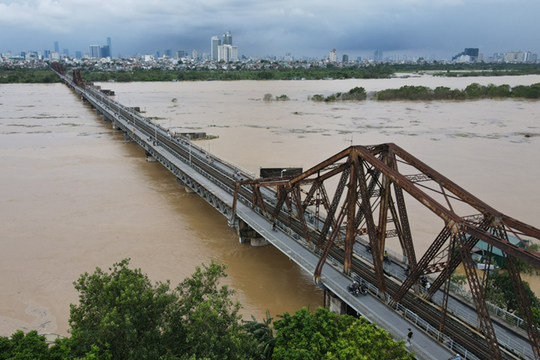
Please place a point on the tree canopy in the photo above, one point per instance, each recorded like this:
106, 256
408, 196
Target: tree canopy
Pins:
325, 335
128, 317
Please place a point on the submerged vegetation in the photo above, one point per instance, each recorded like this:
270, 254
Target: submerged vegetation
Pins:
357, 93
472, 92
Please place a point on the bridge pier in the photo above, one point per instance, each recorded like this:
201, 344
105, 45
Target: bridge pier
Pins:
149, 156
128, 139
334, 303
246, 233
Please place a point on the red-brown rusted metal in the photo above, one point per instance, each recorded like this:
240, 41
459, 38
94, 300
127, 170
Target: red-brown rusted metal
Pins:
374, 207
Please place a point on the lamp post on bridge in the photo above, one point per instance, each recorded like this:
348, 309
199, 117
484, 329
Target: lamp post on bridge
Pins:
282, 171
189, 137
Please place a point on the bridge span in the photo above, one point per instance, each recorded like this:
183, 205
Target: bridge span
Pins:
340, 235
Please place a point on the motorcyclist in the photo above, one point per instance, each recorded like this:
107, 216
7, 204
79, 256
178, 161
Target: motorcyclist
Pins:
364, 288
353, 288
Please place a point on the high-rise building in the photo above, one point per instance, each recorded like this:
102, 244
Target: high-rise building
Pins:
227, 38
358, 58
157, 54
94, 51
194, 54
78, 55
46, 54
181, 54
109, 44
227, 53
66, 52
105, 51
56, 47
214, 44
510, 56
519, 56
345, 58
378, 56
168, 52
333, 55
472, 53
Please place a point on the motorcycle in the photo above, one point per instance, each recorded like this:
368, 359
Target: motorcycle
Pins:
356, 289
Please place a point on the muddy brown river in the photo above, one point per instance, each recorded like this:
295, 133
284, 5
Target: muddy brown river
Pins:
74, 196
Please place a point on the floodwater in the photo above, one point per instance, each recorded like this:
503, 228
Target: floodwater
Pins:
73, 196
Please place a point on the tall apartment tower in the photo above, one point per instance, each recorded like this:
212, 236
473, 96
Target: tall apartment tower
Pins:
227, 53
94, 51
109, 44
56, 47
345, 58
333, 55
378, 56
227, 38
214, 44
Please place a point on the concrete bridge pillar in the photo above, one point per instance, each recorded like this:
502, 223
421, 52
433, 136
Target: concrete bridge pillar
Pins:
149, 156
128, 139
334, 304
259, 241
246, 233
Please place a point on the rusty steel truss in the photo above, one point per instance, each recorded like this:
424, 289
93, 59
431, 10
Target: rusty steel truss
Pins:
362, 190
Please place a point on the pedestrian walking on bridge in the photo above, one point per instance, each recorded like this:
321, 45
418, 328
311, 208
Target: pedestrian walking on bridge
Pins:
409, 336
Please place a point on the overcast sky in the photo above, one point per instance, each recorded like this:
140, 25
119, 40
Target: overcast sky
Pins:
259, 28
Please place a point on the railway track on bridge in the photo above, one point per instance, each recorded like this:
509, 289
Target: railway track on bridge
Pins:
462, 333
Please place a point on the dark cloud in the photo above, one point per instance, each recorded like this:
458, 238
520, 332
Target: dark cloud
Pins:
411, 27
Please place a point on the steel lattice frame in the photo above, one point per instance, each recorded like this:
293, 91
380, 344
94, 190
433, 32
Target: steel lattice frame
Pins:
369, 199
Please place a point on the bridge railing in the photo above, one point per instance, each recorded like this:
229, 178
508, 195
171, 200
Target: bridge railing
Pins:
503, 314
398, 257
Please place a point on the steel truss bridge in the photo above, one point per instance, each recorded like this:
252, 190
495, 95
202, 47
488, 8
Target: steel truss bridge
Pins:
355, 200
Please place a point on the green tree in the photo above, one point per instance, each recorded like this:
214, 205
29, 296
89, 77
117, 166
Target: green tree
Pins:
325, 335
501, 292
121, 311
263, 333
206, 323
122, 315
21, 346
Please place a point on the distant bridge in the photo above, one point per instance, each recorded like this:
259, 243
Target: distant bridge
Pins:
319, 224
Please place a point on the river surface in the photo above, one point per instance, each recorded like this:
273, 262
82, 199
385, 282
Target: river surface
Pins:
73, 196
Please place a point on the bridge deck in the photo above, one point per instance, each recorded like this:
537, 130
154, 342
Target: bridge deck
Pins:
332, 278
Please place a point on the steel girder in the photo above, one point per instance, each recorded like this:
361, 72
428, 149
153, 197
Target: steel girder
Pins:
375, 200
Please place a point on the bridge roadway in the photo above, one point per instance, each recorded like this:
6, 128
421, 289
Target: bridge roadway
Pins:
213, 178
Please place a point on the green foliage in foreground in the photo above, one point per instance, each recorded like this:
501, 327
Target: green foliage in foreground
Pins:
128, 317
473, 92
325, 335
123, 315
22, 346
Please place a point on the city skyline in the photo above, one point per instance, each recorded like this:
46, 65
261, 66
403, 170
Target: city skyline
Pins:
407, 27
